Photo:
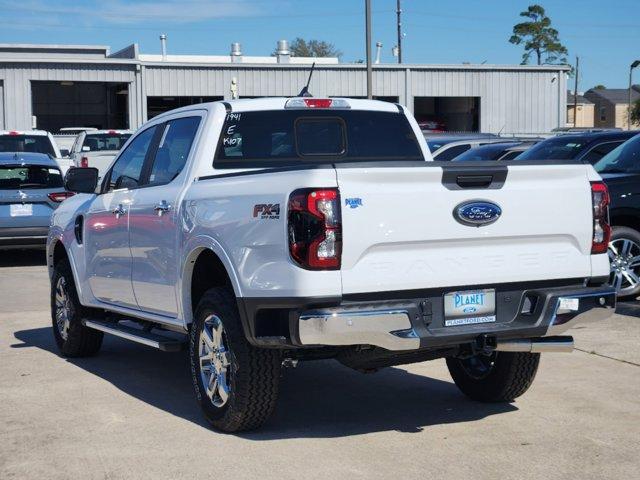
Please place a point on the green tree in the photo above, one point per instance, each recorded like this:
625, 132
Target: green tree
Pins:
538, 37
300, 47
599, 87
635, 112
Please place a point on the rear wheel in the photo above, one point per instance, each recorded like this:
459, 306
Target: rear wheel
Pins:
624, 255
498, 377
236, 384
73, 338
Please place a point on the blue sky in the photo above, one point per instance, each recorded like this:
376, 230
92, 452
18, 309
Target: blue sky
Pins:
605, 34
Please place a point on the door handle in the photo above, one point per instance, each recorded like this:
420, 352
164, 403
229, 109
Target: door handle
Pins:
162, 207
119, 211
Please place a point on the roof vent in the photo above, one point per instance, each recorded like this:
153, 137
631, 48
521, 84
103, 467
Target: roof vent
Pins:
163, 46
282, 51
236, 52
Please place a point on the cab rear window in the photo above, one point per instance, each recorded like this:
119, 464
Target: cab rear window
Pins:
30, 176
26, 143
97, 142
297, 137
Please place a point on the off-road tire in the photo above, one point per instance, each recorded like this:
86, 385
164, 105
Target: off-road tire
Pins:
254, 374
81, 341
510, 376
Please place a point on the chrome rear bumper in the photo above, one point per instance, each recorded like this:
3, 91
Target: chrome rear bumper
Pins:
397, 329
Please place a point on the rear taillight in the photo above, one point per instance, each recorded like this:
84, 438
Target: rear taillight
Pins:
84, 162
601, 228
59, 196
315, 228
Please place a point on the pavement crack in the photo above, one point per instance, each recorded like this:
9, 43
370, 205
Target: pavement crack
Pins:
591, 352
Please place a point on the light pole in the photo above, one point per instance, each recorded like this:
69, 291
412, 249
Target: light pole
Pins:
367, 9
633, 65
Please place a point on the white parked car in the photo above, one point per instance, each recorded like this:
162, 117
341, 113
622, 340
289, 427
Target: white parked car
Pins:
33, 141
267, 231
98, 148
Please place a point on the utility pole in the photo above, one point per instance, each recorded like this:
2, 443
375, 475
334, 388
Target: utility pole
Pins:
631, 67
367, 8
575, 93
399, 13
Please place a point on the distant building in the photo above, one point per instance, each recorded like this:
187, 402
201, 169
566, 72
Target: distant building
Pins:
55, 86
585, 109
611, 106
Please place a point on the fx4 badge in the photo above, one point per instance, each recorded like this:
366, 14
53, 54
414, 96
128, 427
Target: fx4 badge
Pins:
266, 211
353, 202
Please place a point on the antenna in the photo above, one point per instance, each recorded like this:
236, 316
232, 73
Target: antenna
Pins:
305, 90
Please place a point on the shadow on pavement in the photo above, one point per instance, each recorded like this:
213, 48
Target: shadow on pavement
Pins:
23, 258
631, 308
320, 399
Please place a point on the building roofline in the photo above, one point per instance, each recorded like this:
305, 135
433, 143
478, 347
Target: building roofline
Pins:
46, 46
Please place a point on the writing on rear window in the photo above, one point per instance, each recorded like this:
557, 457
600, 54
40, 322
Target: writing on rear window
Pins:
293, 137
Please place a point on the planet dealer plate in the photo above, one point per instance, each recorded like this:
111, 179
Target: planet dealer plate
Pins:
469, 307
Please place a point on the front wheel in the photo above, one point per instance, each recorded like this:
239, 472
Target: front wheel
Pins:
498, 377
73, 338
236, 384
624, 256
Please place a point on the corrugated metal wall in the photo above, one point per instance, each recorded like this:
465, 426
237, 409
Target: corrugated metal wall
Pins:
17, 79
511, 100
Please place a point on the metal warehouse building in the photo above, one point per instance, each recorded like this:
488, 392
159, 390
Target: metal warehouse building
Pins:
54, 86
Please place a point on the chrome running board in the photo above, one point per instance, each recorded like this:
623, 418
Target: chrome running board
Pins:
161, 342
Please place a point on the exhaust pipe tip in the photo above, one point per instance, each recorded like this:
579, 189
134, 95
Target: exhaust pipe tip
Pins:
537, 345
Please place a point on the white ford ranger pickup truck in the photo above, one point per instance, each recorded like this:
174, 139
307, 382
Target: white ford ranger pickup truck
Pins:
258, 233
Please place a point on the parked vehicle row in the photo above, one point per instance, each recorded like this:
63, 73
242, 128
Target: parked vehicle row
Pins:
31, 188
237, 229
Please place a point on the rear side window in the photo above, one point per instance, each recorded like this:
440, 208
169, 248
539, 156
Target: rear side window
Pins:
300, 136
451, 153
98, 142
173, 149
31, 176
26, 143
599, 151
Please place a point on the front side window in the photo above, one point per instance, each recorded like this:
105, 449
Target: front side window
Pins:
127, 171
173, 150
18, 177
26, 143
623, 159
303, 136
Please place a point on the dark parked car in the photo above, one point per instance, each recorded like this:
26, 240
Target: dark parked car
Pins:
495, 151
586, 147
31, 188
620, 170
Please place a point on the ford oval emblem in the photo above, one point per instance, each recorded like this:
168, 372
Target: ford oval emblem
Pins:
477, 213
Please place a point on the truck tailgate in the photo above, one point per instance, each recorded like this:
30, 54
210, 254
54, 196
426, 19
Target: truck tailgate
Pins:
400, 232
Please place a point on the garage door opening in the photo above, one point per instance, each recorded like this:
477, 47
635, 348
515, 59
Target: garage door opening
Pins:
80, 104
158, 105
455, 114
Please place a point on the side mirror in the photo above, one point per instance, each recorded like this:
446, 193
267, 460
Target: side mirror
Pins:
81, 180
86, 149
64, 153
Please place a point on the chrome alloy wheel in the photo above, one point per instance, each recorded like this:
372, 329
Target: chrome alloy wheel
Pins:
624, 256
215, 361
64, 308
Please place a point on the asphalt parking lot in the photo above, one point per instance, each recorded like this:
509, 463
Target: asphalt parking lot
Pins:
130, 413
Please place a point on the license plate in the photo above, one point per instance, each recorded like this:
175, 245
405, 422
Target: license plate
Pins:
21, 210
469, 307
